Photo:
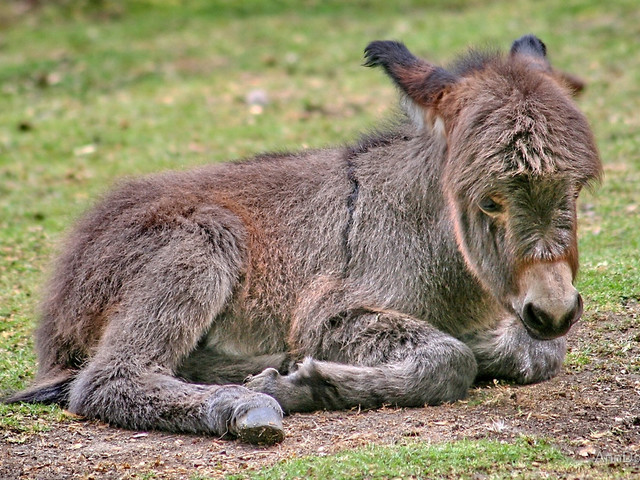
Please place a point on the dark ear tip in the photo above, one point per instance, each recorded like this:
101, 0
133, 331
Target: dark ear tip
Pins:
383, 52
529, 45
372, 53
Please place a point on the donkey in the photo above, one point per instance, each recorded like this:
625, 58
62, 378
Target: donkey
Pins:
397, 270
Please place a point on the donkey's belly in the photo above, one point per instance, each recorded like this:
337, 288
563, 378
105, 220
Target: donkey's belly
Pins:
234, 349
246, 337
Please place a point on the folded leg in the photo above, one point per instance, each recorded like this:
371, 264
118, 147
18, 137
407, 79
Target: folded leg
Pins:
361, 357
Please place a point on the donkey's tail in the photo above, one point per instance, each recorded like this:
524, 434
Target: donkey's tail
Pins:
54, 389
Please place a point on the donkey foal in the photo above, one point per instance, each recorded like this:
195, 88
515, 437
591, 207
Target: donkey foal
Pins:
394, 271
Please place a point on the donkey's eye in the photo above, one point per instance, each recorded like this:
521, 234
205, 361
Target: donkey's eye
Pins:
489, 206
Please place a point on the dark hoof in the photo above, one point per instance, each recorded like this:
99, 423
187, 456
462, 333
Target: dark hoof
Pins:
260, 426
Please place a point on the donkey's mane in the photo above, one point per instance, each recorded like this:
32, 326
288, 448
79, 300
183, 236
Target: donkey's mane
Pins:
473, 60
380, 136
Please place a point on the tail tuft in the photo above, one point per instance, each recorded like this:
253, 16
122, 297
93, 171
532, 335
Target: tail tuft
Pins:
54, 390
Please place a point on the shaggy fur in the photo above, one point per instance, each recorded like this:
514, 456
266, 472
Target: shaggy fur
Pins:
395, 271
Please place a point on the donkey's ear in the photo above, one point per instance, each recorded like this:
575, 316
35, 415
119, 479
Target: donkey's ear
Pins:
534, 50
575, 84
422, 83
530, 46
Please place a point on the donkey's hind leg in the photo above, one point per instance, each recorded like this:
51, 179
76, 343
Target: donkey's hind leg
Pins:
508, 352
165, 309
367, 358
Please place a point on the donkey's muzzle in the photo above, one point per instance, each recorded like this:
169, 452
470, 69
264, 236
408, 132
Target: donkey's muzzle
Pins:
544, 324
548, 303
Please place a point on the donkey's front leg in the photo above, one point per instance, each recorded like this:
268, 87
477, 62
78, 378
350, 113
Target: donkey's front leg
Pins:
509, 352
366, 358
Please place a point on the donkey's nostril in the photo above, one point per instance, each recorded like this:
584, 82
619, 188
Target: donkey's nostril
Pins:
576, 313
535, 318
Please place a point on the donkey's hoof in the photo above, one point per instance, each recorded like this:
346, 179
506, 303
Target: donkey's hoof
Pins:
260, 426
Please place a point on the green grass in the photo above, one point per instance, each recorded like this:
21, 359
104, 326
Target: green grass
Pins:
94, 91
464, 459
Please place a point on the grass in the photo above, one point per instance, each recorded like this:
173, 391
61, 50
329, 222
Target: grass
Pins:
464, 459
91, 91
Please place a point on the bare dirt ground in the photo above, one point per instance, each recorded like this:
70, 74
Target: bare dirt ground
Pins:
591, 412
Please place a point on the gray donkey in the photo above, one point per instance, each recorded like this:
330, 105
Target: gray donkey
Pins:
394, 271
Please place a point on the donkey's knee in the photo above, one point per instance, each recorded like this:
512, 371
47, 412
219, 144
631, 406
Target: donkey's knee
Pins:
453, 371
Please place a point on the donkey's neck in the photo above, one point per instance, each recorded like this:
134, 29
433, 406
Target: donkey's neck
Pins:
401, 171
411, 259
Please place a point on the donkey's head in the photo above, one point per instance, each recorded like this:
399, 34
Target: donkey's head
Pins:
518, 154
